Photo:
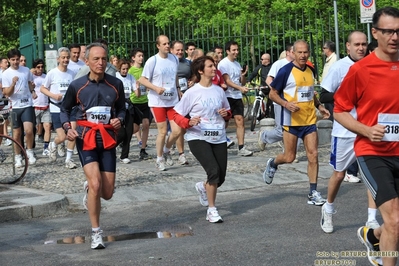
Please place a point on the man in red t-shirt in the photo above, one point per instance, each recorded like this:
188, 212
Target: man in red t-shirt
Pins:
370, 86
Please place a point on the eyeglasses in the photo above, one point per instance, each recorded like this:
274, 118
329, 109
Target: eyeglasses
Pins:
388, 32
39, 67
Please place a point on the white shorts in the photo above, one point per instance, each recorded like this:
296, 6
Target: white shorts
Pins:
342, 153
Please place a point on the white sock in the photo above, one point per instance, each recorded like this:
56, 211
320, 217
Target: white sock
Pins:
372, 213
96, 229
159, 158
329, 207
211, 209
165, 150
68, 155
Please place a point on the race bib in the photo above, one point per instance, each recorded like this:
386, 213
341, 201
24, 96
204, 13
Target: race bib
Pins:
183, 84
24, 100
168, 94
305, 94
63, 86
211, 132
128, 91
391, 123
143, 90
99, 114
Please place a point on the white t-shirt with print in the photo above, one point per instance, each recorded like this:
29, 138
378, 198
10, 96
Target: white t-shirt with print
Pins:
22, 96
75, 66
233, 69
129, 84
162, 73
332, 82
41, 100
205, 103
57, 82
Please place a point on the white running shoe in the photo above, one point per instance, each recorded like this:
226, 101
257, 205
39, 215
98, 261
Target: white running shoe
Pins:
31, 157
261, 144
168, 158
373, 258
70, 164
182, 159
316, 198
351, 178
53, 151
269, 172
161, 165
86, 190
7, 142
372, 224
213, 216
125, 160
97, 240
244, 152
230, 143
61, 150
46, 152
18, 160
326, 222
203, 198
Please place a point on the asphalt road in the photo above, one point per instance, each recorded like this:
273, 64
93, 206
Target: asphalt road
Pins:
267, 225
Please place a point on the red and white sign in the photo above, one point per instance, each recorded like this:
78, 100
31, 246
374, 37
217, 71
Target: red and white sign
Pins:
367, 9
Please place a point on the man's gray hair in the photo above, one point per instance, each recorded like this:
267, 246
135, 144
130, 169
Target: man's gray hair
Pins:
94, 44
61, 50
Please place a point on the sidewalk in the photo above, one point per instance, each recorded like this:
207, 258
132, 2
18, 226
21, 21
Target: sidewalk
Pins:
19, 202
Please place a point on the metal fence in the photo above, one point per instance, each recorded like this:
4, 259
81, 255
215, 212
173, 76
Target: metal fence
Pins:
270, 33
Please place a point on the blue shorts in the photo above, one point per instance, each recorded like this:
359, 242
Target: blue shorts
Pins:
21, 115
106, 158
300, 131
56, 120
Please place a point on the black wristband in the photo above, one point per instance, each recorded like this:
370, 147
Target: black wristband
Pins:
66, 126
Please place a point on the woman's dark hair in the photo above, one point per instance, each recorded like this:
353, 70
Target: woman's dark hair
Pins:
199, 65
122, 62
37, 61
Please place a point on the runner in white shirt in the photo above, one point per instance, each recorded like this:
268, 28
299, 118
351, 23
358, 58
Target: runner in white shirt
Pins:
55, 85
342, 140
234, 76
18, 85
208, 108
74, 62
276, 134
160, 77
132, 119
41, 104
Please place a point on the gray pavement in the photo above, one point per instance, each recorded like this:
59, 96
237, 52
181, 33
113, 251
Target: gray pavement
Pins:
264, 224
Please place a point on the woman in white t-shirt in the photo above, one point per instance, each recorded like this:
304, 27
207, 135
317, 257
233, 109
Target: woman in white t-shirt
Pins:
132, 119
208, 108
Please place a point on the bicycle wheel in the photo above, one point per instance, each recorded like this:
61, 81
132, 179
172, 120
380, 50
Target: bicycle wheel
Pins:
247, 105
254, 115
9, 173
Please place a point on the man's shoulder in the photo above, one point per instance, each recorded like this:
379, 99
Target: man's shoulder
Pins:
112, 80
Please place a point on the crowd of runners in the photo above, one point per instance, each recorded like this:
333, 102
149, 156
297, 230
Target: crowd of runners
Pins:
95, 104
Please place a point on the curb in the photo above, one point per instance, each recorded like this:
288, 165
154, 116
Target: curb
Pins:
26, 203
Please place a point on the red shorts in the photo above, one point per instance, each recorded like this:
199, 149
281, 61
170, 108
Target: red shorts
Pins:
162, 113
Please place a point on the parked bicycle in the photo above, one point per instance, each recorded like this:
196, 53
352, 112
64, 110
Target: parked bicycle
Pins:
258, 110
9, 174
